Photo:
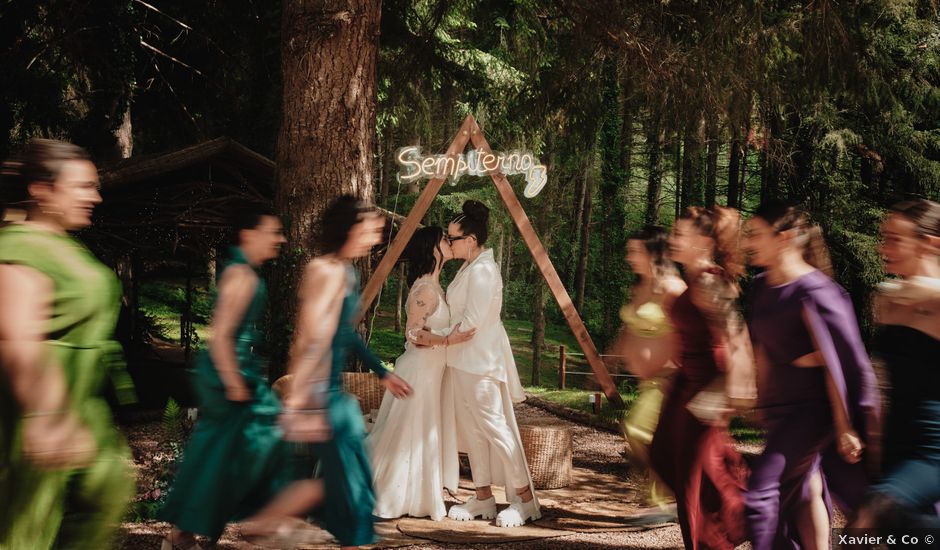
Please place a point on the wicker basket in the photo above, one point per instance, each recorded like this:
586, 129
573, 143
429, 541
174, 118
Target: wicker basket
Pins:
548, 452
366, 387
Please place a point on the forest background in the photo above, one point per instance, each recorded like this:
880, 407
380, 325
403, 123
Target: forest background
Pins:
638, 108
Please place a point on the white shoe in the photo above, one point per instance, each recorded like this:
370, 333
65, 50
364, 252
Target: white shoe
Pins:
486, 509
518, 514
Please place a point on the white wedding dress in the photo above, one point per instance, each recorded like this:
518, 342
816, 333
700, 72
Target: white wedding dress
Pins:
405, 441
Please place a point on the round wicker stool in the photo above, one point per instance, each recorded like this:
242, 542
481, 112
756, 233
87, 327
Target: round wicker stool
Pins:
367, 387
548, 452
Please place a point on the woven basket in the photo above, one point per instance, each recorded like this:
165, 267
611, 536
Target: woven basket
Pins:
548, 452
366, 387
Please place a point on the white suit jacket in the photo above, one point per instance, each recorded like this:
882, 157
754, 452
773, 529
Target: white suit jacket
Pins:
475, 298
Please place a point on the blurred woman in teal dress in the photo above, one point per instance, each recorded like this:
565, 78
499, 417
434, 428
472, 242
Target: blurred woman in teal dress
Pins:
65, 471
235, 461
325, 335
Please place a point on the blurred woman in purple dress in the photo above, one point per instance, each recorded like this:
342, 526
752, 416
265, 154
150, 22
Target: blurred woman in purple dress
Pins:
817, 391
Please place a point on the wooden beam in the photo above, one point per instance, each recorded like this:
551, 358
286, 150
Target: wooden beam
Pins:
408, 227
540, 255
470, 131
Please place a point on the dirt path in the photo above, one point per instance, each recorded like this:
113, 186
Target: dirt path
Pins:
598, 510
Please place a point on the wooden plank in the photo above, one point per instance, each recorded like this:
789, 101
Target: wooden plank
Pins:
411, 223
540, 255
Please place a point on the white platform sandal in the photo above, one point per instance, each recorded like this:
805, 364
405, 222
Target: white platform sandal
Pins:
486, 509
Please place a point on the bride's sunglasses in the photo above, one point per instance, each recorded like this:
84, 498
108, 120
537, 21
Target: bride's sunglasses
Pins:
451, 239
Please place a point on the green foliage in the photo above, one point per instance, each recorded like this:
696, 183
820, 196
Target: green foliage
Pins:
172, 421
176, 428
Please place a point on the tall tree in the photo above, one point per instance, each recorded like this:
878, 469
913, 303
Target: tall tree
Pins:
712, 136
584, 244
326, 142
654, 184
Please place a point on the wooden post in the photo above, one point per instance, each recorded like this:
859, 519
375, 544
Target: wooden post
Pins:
470, 131
540, 255
597, 403
408, 227
562, 366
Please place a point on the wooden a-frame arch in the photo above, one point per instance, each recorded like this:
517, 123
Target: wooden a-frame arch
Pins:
470, 132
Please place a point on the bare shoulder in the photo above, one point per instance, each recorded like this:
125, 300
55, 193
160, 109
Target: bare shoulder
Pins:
324, 275
237, 273
325, 267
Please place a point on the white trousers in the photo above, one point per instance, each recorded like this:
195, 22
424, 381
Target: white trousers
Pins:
481, 420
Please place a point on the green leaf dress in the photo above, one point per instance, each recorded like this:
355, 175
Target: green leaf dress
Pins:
74, 508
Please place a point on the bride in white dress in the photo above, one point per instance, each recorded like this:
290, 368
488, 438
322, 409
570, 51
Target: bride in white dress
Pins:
405, 441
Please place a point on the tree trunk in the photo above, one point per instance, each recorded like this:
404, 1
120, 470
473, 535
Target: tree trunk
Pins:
734, 166
677, 164
581, 181
692, 164
654, 182
326, 142
711, 162
543, 227
613, 216
580, 276
499, 249
399, 299
124, 135
743, 186
538, 332
509, 235
771, 161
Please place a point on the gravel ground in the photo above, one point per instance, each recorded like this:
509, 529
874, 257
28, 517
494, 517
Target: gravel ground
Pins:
594, 450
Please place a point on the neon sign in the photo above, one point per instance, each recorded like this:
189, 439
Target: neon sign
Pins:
475, 163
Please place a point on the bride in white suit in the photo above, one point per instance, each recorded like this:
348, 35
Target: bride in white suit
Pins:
405, 441
481, 383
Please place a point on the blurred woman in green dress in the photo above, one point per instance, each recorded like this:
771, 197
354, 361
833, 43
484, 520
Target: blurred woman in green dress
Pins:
65, 471
235, 460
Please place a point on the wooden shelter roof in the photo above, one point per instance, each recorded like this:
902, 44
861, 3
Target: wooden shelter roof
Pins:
223, 150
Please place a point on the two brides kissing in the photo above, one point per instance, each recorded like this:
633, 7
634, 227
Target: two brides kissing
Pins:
458, 361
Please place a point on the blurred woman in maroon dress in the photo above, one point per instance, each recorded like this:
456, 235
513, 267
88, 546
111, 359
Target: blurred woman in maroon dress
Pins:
692, 451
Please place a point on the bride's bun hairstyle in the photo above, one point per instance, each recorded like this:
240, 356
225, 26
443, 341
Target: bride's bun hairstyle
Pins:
474, 220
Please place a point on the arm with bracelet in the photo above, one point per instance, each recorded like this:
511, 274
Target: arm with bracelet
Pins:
53, 435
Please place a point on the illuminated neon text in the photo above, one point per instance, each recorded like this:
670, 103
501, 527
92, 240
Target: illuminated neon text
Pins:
475, 163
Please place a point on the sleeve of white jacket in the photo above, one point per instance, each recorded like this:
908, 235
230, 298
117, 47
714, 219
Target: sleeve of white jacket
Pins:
482, 286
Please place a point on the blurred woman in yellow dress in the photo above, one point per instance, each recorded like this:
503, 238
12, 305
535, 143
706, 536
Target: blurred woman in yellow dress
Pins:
646, 341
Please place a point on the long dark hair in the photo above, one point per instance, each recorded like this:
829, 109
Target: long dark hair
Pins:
473, 220
655, 240
40, 161
420, 252
924, 213
723, 225
783, 216
342, 214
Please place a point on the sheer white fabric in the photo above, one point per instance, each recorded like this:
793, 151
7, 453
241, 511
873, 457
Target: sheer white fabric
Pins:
405, 441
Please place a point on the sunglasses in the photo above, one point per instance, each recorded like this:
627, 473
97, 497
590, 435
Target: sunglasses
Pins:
452, 239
